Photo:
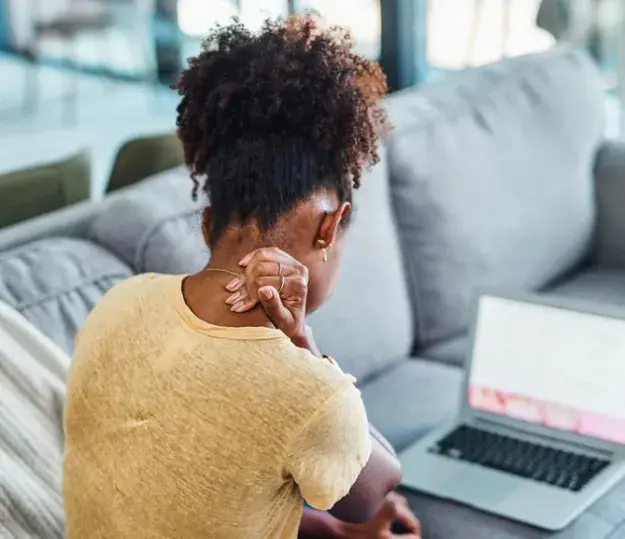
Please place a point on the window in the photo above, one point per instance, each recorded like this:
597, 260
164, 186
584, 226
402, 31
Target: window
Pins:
197, 17
476, 32
254, 12
362, 17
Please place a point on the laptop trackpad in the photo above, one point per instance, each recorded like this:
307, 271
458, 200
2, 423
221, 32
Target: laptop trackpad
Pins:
481, 487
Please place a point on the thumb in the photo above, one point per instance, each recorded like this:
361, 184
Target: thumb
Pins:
388, 511
271, 302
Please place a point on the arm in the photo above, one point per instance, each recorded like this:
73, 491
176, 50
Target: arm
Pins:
319, 525
381, 474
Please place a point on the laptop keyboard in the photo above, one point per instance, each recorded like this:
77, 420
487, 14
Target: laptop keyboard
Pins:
563, 469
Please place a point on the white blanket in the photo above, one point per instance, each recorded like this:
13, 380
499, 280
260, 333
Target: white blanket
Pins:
32, 388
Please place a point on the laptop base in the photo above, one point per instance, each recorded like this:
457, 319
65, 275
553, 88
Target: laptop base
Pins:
524, 500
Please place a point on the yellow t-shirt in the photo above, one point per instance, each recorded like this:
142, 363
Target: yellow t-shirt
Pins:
176, 428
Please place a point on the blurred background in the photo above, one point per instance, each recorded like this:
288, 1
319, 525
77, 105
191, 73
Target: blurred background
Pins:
95, 73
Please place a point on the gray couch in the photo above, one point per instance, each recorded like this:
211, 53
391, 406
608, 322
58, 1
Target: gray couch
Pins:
498, 176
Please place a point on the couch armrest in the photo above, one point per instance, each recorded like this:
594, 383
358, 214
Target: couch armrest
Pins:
609, 248
77, 220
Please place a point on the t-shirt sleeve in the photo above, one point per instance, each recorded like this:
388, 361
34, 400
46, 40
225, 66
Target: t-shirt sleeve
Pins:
327, 456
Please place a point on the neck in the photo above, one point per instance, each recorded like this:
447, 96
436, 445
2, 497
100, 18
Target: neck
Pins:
226, 261
234, 245
206, 294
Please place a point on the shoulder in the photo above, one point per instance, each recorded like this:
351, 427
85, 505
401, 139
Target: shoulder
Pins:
143, 281
144, 284
318, 370
120, 301
305, 382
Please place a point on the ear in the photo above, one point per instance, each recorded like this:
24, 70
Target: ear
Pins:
330, 225
207, 218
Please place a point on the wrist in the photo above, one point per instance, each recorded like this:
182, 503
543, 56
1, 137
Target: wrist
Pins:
302, 337
322, 525
344, 530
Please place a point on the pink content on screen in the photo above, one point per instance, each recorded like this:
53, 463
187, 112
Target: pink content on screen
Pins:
548, 414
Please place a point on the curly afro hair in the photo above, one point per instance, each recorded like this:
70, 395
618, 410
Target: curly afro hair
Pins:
268, 118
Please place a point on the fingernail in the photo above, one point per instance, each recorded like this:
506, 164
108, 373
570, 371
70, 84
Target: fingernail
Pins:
237, 306
245, 260
233, 298
232, 285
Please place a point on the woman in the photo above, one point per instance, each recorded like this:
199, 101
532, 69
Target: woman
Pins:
199, 406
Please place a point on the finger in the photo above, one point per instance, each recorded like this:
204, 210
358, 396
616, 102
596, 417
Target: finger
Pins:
270, 254
254, 274
395, 496
234, 298
235, 284
405, 536
242, 301
286, 286
407, 519
247, 298
276, 311
388, 511
264, 268
244, 306
264, 252
278, 263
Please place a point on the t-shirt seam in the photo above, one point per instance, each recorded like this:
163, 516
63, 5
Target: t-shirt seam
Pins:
213, 333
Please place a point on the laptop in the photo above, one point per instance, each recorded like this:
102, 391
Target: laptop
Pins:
540, 434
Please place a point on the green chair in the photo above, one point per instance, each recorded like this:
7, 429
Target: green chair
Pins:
141, 158
27, 193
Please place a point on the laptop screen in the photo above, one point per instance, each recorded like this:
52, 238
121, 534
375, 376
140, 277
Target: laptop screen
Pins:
558, 368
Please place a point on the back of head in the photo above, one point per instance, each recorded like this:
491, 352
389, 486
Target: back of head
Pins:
269, 118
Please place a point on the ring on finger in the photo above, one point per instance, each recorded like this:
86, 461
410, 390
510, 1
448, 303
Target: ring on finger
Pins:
281, 284
279, 269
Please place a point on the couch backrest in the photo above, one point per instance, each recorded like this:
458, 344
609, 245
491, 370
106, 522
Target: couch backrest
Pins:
155, 226
366, 325
491, 181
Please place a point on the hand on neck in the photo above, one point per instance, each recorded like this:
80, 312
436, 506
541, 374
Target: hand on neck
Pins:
205, 292
235, 244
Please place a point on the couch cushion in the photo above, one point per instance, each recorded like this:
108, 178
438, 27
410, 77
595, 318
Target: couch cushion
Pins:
55, 282
451, 351
155, 226
597, 285
411, 398
367, 323
441, 519
491, 174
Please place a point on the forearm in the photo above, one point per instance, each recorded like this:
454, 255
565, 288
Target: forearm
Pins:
319, 525
381, 475
305, 340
